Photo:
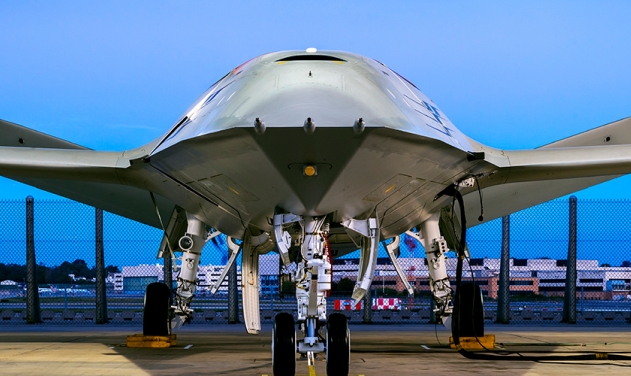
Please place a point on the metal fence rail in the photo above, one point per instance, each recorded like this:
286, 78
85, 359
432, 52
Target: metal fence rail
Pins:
561, 261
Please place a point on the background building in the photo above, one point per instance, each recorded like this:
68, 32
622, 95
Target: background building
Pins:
542, 277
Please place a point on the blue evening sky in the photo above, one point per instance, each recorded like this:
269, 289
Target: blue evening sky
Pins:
113, 75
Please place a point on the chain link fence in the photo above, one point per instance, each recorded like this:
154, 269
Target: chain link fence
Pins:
534, 243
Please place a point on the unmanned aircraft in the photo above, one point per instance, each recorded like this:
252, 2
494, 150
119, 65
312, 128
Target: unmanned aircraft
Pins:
311, 154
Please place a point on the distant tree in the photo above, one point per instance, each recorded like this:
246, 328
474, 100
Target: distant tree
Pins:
605, 266
626, 264
80, 269
13, 272
59, 274
55, 274
112, 269
41, 271
345, 284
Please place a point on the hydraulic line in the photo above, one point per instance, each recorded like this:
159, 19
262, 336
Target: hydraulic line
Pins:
502, 356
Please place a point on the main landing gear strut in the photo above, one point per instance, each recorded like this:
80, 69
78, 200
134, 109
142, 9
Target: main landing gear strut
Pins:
187, 234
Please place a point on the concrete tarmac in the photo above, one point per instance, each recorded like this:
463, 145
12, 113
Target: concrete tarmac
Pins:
376, 350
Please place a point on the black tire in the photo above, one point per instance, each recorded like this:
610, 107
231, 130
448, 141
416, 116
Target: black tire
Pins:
284, 345
155, 315
468, 319
338, 345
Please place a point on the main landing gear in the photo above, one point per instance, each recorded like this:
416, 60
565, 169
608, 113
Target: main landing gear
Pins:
189, 236
155, 318
467, 310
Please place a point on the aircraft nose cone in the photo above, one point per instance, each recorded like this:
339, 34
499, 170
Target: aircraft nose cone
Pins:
331, 93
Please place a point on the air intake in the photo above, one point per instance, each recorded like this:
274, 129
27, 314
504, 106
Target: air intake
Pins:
311, 57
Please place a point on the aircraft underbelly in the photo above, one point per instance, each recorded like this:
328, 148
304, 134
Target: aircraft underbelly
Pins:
382, 171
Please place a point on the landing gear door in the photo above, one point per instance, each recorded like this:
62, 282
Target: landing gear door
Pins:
368, 229
250, 286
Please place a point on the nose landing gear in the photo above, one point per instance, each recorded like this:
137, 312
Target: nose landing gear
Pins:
312, 275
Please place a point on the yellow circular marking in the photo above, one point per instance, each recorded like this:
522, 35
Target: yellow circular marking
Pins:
309, 170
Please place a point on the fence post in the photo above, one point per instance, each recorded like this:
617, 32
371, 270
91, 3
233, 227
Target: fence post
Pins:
503, 303
32, 292
368, 307
101, 298
233, 295
569, 302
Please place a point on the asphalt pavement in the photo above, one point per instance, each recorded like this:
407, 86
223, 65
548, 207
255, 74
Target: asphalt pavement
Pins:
376, 350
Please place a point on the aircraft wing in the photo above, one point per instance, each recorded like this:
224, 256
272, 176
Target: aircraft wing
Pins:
75, 172
530, 177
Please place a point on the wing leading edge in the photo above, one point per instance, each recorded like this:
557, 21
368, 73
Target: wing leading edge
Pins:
523, 178
529, 177
61, 167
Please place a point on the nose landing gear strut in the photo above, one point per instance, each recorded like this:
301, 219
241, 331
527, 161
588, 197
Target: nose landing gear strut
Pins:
311, 271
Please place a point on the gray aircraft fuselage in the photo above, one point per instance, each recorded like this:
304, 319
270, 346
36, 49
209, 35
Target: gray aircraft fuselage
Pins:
408, 152
232, 171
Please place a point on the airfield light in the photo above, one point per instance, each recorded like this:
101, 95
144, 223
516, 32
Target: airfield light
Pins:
310, 171
312, 50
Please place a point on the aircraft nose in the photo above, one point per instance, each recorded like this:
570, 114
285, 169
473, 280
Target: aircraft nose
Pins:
325, 105
285, 95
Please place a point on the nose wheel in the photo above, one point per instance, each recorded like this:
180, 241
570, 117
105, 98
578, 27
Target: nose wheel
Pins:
338, 345
284, 345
